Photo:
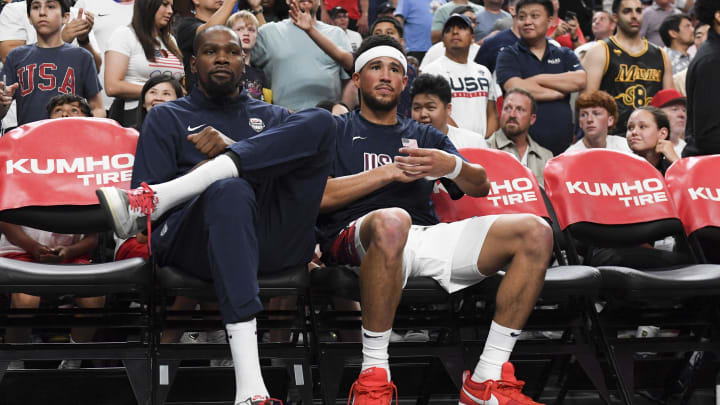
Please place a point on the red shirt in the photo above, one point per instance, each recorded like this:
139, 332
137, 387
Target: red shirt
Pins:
350, 5
565, 39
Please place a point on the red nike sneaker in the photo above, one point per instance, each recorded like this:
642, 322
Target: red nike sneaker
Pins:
506, 391
372, 388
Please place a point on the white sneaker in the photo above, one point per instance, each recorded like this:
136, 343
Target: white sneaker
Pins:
129, 211
421, 335
16, 365
193, 337
70, 364
260, 400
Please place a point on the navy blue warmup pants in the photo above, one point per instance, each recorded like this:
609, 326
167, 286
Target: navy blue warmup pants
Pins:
263, 221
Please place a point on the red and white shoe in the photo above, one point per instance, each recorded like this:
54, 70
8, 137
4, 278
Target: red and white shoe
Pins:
506, 391
128, 210
260, 400
372, 388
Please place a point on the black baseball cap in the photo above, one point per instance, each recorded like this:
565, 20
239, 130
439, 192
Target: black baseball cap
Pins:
457, 17
385, 7
337, 10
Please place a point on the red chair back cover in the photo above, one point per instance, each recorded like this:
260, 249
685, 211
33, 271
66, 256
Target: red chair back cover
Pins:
513, 189
606, 187
63, 161
695, 187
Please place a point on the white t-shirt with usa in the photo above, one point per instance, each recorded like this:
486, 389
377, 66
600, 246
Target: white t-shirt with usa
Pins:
472, 86
140, 69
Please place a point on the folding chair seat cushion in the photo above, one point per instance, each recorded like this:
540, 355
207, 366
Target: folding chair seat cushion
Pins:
684, 281
292, 278
562, 281
122, 275
343, 281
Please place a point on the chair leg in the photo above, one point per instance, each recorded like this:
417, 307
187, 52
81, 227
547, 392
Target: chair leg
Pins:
138, 371
306, 389
624, 391
331, 367
166, 372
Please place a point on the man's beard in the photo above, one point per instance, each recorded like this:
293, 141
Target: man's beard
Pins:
377, 105
219, 90
512, 133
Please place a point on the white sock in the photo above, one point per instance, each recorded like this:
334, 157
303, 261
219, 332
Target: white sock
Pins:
375, 350
498, 347
183, 188
243, 347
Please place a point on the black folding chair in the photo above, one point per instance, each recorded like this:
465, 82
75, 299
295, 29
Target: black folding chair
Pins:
56, 199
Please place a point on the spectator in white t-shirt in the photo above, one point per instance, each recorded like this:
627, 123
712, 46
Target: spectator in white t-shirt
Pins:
137, 52
438, 48
339, 18
431, 105
597, 114
474, 90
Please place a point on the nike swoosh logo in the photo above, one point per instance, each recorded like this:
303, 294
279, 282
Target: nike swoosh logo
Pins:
371, 337
355, 138
103, 15
490, 401
513, 334
194, 128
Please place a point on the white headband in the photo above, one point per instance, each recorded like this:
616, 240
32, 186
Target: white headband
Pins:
378, 51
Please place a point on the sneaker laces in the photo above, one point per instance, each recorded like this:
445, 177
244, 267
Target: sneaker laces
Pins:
513, 389
373, 392
143, 200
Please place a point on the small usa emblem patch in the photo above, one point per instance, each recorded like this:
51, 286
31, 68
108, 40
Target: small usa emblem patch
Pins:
257, 124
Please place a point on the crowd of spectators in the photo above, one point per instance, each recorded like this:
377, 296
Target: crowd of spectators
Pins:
535, 78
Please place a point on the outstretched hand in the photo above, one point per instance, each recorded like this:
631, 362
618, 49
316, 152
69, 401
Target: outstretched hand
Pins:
302, 19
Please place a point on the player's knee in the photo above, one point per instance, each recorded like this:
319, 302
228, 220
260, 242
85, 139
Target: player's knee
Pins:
537, 236
390, 228
234, 194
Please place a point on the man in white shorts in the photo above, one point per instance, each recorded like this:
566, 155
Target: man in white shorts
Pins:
376, 213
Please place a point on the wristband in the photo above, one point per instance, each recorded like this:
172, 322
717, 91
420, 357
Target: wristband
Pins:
256, 12
456, 170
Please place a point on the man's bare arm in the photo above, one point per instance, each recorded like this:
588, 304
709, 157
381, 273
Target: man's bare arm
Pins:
594, 64
567, 82
539, 92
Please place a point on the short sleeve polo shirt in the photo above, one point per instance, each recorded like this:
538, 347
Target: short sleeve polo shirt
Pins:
553, 128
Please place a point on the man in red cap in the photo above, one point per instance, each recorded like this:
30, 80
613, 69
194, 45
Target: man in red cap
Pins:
674, 105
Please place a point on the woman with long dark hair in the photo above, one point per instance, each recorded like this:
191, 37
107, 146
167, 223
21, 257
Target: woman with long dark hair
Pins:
138, 52
157, 90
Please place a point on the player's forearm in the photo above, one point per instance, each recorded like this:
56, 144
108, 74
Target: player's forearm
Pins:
342, 57
342, 191
473, 180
